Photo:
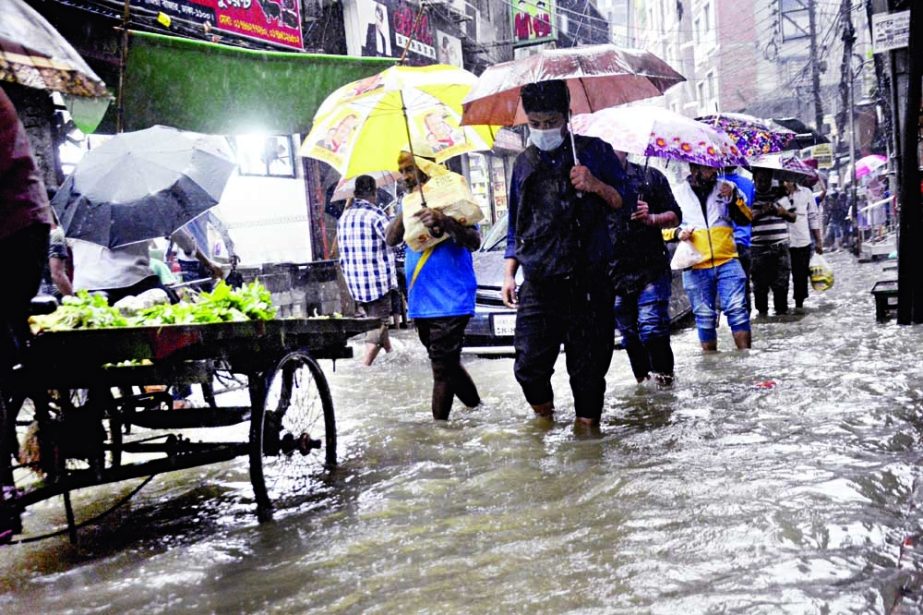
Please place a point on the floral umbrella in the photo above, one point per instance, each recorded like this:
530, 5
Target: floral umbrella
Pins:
363, 126
655, 131
754, 136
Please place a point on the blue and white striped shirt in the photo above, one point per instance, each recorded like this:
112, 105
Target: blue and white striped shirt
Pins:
366, 260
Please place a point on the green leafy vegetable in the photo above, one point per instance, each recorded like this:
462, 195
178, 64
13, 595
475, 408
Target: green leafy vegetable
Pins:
223, 304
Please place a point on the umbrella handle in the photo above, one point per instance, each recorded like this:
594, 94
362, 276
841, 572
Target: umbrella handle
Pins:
573, 147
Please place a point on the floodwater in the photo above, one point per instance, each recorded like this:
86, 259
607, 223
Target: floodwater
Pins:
775, 481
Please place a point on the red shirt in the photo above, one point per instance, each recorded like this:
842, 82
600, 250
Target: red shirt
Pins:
23, 200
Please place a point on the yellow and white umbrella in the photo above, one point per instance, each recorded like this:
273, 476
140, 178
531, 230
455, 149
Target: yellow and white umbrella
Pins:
363, 126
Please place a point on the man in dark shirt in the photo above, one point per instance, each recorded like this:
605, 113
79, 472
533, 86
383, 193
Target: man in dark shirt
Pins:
25, 219
640, 272
558, 235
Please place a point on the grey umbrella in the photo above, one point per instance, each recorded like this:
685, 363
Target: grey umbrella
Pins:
141, 185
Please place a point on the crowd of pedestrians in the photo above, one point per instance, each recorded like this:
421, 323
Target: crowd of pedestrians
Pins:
589, 232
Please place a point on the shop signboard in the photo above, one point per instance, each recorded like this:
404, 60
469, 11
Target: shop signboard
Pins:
277, 22
533, 21
890, 31
823, 154
386, 27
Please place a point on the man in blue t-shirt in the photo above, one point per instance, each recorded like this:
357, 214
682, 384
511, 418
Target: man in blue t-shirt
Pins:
742, 233
440, 293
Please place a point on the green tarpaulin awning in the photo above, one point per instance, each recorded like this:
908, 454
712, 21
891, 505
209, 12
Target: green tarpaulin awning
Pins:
218, 89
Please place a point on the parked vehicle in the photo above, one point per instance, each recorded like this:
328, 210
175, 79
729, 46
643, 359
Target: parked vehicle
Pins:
490, 330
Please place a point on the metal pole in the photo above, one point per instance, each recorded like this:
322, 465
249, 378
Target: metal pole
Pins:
852, 156
911, 205
123, 63
815, 67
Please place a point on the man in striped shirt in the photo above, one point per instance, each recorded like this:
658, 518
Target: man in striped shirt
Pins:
771, 264
367, 262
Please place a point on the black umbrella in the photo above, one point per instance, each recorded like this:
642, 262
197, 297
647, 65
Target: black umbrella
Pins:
141, 185
805, 136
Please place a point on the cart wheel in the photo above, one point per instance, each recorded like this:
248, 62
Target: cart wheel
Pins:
292, 433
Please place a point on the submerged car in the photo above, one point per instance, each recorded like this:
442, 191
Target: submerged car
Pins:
490, 330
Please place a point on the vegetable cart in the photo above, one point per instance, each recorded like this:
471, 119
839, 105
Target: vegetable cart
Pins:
91, 391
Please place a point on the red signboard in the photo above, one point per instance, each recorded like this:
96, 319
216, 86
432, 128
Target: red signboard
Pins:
277, 22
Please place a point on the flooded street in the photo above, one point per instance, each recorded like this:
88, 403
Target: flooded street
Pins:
776, 481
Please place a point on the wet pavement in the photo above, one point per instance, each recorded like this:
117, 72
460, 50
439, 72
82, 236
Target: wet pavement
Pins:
775, 481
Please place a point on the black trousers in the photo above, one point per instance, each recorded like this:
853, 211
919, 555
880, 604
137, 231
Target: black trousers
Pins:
578, 314
770, 269
443, 339
801, 263
25, 253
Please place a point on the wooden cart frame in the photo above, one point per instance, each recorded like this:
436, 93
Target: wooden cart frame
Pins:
290, 411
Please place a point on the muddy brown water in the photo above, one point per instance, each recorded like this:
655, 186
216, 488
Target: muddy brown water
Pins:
775, 481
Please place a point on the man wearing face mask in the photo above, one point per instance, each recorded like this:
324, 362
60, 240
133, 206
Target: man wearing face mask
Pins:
558, 235
710, 209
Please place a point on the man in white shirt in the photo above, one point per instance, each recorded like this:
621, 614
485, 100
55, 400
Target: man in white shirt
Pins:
807, 224
126, 270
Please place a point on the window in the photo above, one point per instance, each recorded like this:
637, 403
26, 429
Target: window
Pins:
697, 31
795, 19
266, 156
710, 84
701, 89
706, 18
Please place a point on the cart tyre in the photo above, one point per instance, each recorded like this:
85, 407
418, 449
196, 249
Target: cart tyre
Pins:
284, 430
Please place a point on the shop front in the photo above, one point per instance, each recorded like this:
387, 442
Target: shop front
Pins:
489, 174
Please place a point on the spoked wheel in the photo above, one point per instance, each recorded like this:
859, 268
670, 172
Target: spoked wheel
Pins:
292, 432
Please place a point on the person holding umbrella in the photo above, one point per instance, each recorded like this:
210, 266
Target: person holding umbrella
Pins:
557, 233
440, 290
771, 266
640, 272
710, 209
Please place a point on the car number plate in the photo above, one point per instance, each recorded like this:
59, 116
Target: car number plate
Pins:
504, 324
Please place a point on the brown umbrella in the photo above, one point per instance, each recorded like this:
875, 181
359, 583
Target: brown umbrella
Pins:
598, 76
34, 54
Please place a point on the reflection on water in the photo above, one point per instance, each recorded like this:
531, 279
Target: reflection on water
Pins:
779, 480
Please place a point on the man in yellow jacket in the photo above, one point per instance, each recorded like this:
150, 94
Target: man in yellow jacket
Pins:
710, 209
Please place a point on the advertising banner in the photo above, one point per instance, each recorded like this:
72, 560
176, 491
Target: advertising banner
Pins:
277, 22
448, 49
533, 22
385, 28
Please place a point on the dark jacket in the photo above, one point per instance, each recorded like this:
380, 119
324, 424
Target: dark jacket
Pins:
553, 233
639, 255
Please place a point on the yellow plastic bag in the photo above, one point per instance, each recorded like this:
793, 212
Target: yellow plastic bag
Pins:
821, 273
448, 193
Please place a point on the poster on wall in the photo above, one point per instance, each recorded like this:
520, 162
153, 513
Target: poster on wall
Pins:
532, 22
277, 22
376, 36
448, 49
385, 29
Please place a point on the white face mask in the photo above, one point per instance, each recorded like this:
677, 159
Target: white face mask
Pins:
546, 140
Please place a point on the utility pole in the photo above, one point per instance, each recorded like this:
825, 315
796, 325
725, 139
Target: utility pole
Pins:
845, 113
848, 37
815, 66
